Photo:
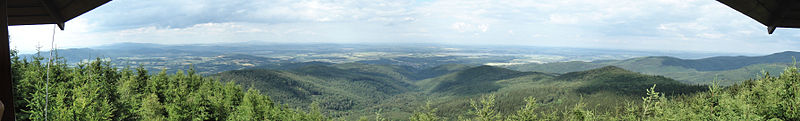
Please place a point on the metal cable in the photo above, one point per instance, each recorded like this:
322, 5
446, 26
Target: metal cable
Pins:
47, 81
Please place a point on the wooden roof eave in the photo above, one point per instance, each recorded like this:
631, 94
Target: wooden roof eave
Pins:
770, 13
29, 12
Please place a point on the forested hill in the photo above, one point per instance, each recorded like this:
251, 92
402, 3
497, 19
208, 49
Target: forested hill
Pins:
618, 80
341, 89
732, 62
350, 90
487, 79
730, 69
477, 80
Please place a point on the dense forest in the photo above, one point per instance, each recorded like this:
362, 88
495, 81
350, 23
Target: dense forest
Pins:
732, 69
99, 91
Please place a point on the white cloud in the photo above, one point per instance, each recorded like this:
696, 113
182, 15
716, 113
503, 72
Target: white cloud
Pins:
638, 24
562, 19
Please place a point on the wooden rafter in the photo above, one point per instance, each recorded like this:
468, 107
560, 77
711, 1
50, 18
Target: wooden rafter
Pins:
770, 13
54, 13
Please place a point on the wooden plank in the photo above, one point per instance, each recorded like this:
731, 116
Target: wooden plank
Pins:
23, 3
62, 3
6, 82
28, 20
770, 5
789, 23
79, 7
40, 15
27, 11
791, 14
51, 8
752, 8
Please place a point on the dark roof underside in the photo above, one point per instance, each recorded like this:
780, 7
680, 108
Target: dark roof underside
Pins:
27, 12
771, 13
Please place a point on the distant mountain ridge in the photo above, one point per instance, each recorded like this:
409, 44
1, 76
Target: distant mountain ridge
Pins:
732, 62
731, 69
128, 46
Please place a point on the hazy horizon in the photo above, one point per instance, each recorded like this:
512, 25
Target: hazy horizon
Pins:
531, 49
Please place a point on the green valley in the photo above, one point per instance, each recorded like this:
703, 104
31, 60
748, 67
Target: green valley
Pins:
353, 90
412, 88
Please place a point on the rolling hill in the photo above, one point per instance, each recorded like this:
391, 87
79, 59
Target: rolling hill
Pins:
477, 80
351, 90
728, 69
341, 89
732, 62
602, 88
618, 80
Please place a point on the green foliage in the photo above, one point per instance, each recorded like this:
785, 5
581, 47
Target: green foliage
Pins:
338, 90
471, 81
768, 98
557, 67
484, 109
97, 91
580, 113
426, 113
527, 112
697, 71
378, 116
315, 112
651, 105
618, 80
151, 109
728, 63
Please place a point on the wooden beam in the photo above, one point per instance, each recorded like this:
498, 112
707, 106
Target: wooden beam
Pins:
54, 13
770, 29
752, 8
6, 79
27, 11
30, 12
78, 7
22, 3
30, 20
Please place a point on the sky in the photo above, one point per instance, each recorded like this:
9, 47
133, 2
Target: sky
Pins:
652, 25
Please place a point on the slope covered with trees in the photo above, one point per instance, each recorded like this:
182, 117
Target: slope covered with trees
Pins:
471, 81
767, 98
618, 80
353, 90
731, 62
602, 89
340, 89
734, 69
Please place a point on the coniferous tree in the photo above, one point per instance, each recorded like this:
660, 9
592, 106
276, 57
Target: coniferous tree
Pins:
151, 108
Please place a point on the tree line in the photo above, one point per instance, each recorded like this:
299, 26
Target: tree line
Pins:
96, 91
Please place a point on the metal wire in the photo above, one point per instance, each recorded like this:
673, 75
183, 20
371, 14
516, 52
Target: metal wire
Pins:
47, 80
